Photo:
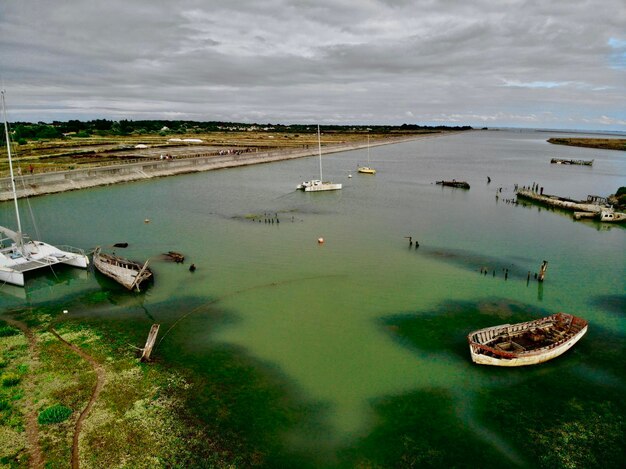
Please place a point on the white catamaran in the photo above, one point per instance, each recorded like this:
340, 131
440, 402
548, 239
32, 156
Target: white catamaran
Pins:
315, 185
19, 253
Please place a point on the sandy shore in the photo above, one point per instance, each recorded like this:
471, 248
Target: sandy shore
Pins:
48, 183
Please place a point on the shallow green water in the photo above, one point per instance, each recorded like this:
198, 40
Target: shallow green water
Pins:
364, 317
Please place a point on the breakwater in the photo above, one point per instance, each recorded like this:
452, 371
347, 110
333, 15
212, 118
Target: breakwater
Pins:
29, 185
560, 202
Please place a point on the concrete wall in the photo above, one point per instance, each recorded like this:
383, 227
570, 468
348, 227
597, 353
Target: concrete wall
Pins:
47, 183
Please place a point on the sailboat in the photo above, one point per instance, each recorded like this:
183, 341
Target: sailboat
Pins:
367, 169
315, 185
20, 254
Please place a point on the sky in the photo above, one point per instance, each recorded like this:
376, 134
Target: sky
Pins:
557, 64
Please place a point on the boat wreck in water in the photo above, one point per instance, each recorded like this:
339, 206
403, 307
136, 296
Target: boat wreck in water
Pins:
595, 207
130, 274
577, 162
526, 343
455, 183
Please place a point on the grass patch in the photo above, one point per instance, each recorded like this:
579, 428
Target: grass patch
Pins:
8, 331
55, 414
10, 379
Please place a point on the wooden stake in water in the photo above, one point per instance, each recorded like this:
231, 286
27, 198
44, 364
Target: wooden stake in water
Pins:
542, 271
147, 350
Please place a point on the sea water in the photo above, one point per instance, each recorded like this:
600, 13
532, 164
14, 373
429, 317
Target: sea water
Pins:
330, 318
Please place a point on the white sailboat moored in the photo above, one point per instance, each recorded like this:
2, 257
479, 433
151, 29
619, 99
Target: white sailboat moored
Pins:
315, 185
20, 254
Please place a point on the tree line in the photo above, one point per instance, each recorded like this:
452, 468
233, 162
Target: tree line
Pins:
25, 131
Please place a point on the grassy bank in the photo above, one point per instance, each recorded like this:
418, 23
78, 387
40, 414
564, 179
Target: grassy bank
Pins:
143, 417
601, 143
72, 152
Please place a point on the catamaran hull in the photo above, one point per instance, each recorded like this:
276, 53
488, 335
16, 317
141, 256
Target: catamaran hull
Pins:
36, 255
11, 277
323, 187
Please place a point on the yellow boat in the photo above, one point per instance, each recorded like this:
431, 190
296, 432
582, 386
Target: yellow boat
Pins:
367, 169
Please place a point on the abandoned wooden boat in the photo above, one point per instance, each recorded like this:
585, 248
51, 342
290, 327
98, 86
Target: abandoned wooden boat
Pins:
130, 274
578, 162
455, 183
526, 343
175, 256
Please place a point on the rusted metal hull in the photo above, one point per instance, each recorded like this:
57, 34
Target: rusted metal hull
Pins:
527, 343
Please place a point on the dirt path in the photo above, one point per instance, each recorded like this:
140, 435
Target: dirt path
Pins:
32, 428
94, 395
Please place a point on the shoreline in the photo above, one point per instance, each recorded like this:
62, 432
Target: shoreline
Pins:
62, 181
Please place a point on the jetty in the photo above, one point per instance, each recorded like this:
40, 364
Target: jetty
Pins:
30, 185
594, 207
578, 162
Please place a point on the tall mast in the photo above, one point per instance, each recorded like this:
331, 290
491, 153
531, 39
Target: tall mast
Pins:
368, 148
6, 134
319, 147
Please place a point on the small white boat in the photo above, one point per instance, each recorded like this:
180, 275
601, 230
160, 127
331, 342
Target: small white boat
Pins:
526, 343
130, 274
316, 185
18, 253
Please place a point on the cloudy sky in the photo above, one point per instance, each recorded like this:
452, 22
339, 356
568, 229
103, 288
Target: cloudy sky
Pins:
547, 63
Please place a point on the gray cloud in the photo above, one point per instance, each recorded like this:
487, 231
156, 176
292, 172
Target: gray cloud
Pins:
510, 63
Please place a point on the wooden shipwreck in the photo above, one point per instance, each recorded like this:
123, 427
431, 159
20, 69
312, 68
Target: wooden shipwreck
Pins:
594, 207
130, 274
454, 183
576, 162
526, 343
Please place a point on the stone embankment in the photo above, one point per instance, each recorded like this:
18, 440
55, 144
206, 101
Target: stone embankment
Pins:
47, 183
560, 202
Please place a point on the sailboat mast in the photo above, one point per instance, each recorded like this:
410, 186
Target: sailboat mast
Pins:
319, 147
6, 135
368, 149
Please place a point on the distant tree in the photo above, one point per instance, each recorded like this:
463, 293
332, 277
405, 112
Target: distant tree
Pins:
47, 131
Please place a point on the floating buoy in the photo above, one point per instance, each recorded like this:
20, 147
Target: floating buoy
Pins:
65, 311
320, 240
147, 220
349, 175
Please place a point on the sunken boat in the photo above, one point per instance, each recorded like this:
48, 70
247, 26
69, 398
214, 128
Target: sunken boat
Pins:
577, 162
130, 274
526, 343
454, 183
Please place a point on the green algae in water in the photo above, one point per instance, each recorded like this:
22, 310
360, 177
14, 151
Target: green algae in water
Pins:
314, 337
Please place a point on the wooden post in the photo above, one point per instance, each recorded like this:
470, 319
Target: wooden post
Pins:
542, 271
147, 350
